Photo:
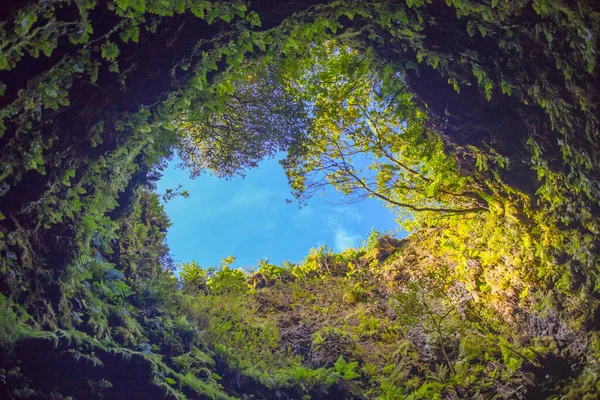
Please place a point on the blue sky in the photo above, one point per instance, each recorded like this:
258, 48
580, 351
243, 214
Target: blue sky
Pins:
250, 219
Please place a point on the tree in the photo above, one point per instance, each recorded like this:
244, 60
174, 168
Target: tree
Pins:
249, 117
367, 138
193, 277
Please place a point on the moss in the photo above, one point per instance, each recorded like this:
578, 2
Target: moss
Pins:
206, 389
202, 358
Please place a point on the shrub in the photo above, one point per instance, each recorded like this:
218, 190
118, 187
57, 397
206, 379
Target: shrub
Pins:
193, 277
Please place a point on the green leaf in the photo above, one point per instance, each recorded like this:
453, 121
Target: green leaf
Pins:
227, 17
253, 19
132, 33
210, 64
590, 67
47, 48
346, 369
471, 26
82, 35
506, 88
24, 22
3, 62
260, 44
198, 10
110, 51
70, 173
197, 82
144, 127
114, 67
122, 4
138, 5
240, 10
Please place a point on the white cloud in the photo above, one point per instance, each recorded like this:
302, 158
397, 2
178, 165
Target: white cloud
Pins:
238, 202
351, 214
249, 196
344, 240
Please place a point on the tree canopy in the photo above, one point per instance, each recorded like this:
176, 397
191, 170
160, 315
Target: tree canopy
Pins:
368, 138
257, 120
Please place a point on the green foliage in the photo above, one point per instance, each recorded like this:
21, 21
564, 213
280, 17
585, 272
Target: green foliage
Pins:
13, 324
226, 279
243, 118
347, 370
193, 276
374, 143
271, 271
110, 51
497, 282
